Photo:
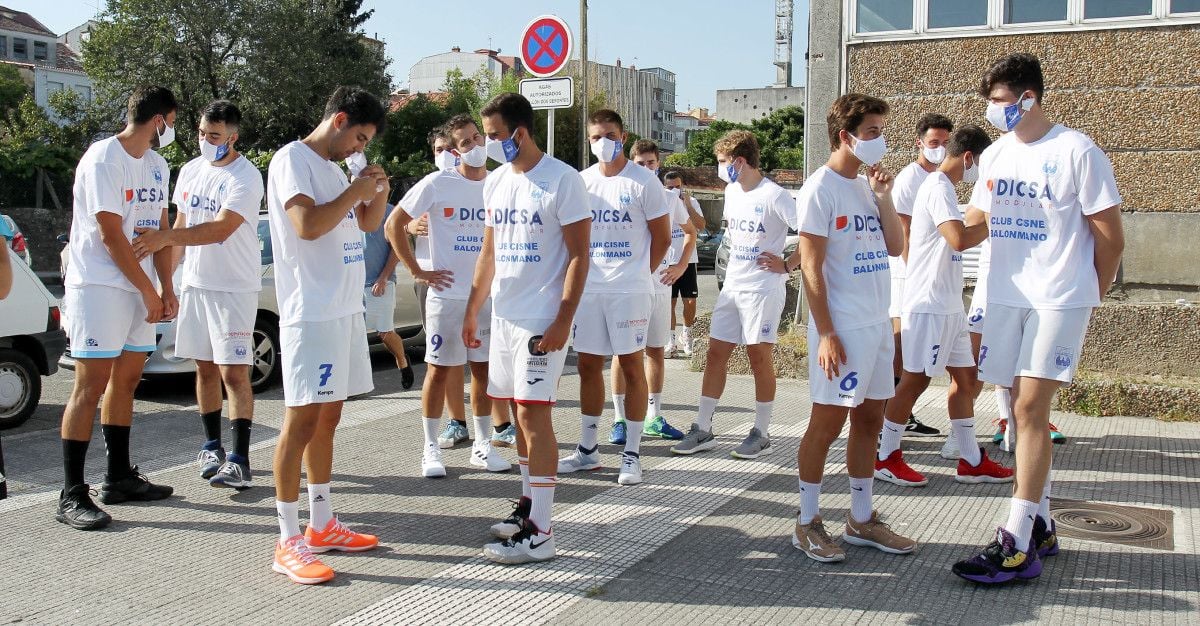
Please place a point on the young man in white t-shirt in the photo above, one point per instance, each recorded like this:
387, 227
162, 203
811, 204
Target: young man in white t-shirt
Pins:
317, 220
933, 322
687, 287
933, 133
757, 215
112, 300
848, 229
452, 203
674, 266
1050, 199
218, 195
534, 265
631, 231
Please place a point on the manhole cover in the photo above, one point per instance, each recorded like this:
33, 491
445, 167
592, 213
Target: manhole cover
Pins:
1111, 523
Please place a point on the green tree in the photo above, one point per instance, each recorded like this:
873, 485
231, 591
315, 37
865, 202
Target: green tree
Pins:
403, 149
780, 138
699, 151
12, 90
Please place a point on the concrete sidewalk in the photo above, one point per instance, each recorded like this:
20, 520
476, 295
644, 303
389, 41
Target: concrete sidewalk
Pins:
705, 540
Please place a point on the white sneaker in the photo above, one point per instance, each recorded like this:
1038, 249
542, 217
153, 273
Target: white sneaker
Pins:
631, 469
950, 450
431, 462
580, 461
485, 456
669, 349
527, 546
1009, 443
685, 342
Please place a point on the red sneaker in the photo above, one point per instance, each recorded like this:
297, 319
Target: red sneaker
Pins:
894, 470
988, 471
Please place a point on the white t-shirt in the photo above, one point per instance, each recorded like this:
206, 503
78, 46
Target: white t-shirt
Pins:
201, 191
421, 244
695, 208
679, 219
756, 221
620, 244
322, 279
935, 279
526, 212
108, 180
857, 280
456, 222
1038, 196
904, 193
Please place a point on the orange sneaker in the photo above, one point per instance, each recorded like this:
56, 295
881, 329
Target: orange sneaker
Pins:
337, 536
296, 561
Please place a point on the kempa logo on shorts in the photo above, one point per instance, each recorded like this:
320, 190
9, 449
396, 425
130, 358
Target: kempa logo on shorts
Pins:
1062, 357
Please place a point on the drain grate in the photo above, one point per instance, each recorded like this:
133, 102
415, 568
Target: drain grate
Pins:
1111, 523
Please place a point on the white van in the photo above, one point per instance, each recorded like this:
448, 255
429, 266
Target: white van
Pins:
31, 341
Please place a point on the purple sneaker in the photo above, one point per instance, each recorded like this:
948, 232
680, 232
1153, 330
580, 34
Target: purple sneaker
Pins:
1046, 539
1000, 562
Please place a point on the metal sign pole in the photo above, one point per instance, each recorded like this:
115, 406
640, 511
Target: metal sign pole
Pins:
550, 132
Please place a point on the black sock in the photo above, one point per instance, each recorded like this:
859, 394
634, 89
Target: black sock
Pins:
116, 443
212, 425
462, 423
74, 456
501, 427
241, 437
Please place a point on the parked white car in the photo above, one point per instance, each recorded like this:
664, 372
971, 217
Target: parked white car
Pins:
31, 340
18, 244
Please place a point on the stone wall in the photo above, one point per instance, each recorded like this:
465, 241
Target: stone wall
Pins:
41, 228
1144, 339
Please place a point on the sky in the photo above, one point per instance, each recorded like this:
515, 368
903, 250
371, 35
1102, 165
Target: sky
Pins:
709, 44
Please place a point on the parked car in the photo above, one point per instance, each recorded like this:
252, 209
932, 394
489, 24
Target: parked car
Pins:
707, 243
31, 340
722, 262
18, 243
266, 370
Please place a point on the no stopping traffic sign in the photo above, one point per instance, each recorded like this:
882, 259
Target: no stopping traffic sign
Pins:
545, 45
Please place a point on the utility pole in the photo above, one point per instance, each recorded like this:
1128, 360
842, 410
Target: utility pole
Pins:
583, 89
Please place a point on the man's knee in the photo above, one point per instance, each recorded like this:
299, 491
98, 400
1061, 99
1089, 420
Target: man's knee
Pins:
590, 365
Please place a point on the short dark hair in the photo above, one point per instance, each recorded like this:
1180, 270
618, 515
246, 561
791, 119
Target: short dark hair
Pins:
1020, 71
848, 112
359, 105
222, 111
969, 138
147, 101
606, 116
457, 122
438, 132
934, 120
673, 175
513, 108
642, 146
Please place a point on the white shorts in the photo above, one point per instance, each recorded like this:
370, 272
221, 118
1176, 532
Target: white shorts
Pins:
216, 326
611, 323
325, 361
381, 310
658, 332
747, 317
867, 372
516, 370
443, 332
103, 321
978, 309
1034, 343
897, 297
931, 342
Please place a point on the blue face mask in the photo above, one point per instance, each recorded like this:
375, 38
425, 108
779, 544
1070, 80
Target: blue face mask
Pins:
1006, 117
502, 150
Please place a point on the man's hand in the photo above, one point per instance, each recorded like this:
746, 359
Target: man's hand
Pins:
419, 227
881, 180
154, 306
772, 263
671, 274
170, 305
379, 287
364, 188
555, 337
148, 241
469, 328
831, 355
438, 279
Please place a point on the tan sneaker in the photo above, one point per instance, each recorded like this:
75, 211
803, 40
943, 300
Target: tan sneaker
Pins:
813, 540
876, 534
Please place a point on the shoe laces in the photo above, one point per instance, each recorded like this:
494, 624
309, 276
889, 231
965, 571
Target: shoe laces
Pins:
818, 527
299, 549
628, 461
206, 456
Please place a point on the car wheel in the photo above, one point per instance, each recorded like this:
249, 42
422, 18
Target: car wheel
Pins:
20, 388
266, 370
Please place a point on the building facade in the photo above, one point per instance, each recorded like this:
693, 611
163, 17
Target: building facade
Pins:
429, 74
1121, 71
645, 98
45, 64
691, 122
77, 37
746, 105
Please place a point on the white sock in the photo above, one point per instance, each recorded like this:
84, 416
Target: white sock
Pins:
687, 330
1044, 505
483, 429
320, 509
704, 416
523, 462
860, 499
430, 425
1020, 521
762, 416
590, 435
619, 407
810, 496
1004, 406
889, 441
653, 406
633, 442
543, 501
968, 448
289, 519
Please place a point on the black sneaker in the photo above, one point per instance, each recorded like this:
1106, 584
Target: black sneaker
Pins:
514, 522
407, 377
133, 488
914, 428
76, 509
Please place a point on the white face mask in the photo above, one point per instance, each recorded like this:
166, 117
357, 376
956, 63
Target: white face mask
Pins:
475, 157
213, 153
445, 160
934, 155
971, 174
167, 136
674, 191
606, 150
727, 172
356, 163
1005, 117
869, 151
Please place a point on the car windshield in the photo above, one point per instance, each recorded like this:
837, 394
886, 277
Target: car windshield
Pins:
264, 241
